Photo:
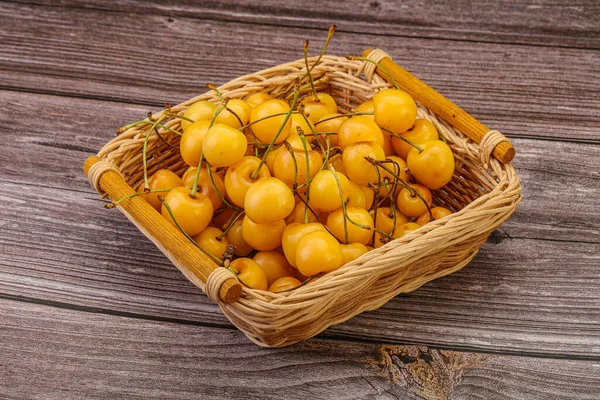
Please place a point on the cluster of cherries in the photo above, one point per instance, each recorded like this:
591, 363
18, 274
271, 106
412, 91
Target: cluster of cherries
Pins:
283, 192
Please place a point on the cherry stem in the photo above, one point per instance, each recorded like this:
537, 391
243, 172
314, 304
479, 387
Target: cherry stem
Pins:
306, 205
405, 185
344, 115
303, 139
405, 140
232, 220
326, 152
213, 87
218, 111
308, 69
324, 49
254, 174
144, 152
168, 208
198, 168
289, 148
346, 217
129, 196
212, 182
385, 71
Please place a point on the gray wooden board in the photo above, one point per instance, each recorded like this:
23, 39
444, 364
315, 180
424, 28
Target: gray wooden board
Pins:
531, 289
55, 353
90, 308
548, 23
152, 59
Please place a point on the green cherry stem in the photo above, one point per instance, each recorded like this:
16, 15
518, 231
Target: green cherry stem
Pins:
385, 71
342, 116
346, 217
310, 79
197, 177
405, 140
166, 205
145, 151
229, 224
129, 196
254, 174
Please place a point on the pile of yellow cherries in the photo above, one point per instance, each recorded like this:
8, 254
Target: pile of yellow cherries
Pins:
283, 191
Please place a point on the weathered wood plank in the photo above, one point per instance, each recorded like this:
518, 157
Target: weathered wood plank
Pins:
553, 23
56, 353
532, 288
521, 90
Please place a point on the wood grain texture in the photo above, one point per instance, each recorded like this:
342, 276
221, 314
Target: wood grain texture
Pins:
548, 23
532, 288
56, 353
524, 91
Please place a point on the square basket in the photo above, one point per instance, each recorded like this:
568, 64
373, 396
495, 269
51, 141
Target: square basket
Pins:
483, 192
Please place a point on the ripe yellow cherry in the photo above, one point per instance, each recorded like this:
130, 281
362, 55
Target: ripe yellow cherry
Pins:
298, 215
352, 251
235, 237
208, 239
325, 193
284, 284
357, 196
318, 252
394, 110
359, 129
315, 110
437, 212
224, 145
292, 234
287, 170
262, 236
432, 167
192, 214
236, 115
422, 131
400, 169
250, 273
369, 196
412, 205
385, 220
237, 178
330, 123
357, 168
160, 180
198, 111
258, 98
268, 200
409, 226
274, 264
338, 163
366, 107
305, 125
335, 223
191, 142
269, 124
205, 186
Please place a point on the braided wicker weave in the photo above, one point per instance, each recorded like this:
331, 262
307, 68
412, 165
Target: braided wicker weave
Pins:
482, 194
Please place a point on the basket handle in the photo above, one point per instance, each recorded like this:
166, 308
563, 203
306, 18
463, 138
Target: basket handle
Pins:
441, 106
190, 260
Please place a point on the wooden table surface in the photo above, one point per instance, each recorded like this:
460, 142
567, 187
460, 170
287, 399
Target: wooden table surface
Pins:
89, 308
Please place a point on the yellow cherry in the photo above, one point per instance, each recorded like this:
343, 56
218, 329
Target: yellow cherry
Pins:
274, 264
160, 180
315, 110
325, 193
266, 123
250, 273
209, 240
258, 98
352, 251
284, 284
335, 223
359, 129
263, 236
292, 234
268, 200
236, 115
192, 214
422, 131
238, 181
318, 252
224, 145
394, 110
357, 167
198, 111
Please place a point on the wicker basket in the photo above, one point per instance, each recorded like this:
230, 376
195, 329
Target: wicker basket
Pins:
482, 194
